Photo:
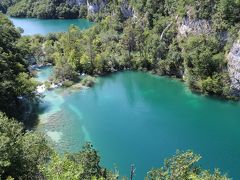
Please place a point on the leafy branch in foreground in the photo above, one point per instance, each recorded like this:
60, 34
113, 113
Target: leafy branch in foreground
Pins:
183, 166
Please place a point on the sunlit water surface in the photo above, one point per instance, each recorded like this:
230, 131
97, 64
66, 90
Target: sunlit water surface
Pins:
138, 118
32, 26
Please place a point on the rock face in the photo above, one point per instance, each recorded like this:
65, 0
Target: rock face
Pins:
194, 26
234, 68
77, 2
95, 7
92, 7
126, 10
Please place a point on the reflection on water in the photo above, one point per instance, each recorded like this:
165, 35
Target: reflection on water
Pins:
32, 26
134, 117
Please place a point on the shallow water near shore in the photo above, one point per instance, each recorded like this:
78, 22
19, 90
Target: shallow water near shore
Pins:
138, 118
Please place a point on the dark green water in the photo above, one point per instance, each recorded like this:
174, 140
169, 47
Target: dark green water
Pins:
34, 26
134, 117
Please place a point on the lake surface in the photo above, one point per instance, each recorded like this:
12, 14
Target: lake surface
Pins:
34, 26
44, 73
138, 118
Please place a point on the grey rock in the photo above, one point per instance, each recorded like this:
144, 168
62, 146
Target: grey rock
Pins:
77, 2
234, 68
194, 26
96, 7
126, 10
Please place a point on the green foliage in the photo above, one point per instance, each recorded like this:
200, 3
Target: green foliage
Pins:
88, 81
90, 162
84, 165
64, 72
15, 82
147, 41
68, 83
62, 168
217, 85
20, 153
173, 64
183, 166
27, 155
5, 4
116, 44
45, 9
204, 63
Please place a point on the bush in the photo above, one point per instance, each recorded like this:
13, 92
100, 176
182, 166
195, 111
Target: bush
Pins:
88, 81
184, 165
47, 84
20, 153
218, 85
67, 83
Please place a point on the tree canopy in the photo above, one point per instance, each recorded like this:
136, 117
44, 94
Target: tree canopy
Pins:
16, 85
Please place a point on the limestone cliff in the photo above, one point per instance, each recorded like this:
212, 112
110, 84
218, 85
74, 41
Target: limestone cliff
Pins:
126, 10
77, 2
189, 26
233, 58
194, 26
92, 6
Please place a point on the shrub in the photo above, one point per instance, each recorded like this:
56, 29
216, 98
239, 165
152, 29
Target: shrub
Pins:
88, 81
67, 83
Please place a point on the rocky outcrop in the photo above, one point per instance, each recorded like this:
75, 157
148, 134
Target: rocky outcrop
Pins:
234, 68
95, 7
91, 6
77, 2
194, 26
126, 10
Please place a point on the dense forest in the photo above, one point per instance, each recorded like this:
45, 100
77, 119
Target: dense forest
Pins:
50, 9
191, 40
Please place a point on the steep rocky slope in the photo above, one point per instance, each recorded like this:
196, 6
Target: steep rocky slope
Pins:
194, 26
234, 67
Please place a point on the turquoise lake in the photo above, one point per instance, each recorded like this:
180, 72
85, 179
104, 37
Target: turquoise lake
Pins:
139, 118
34, 26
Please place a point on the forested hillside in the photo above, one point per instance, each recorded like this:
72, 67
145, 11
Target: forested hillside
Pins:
190, 40
50, 9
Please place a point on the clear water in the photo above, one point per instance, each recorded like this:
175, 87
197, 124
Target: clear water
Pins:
32, 26
135, 117
44, 73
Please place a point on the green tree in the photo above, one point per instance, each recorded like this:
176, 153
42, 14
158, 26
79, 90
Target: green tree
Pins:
20, 153
183, 166
15, 81
62, 168
202, 58
84, 165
